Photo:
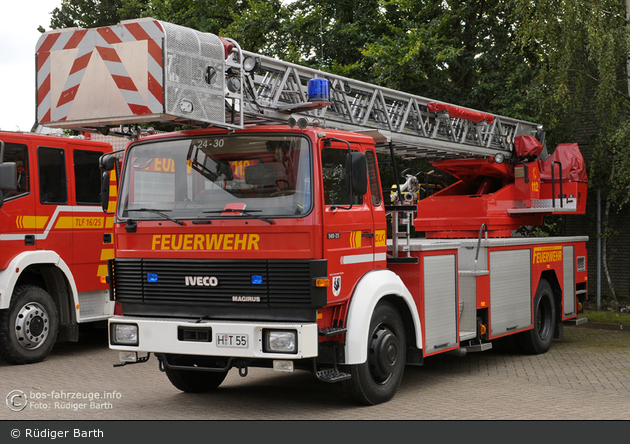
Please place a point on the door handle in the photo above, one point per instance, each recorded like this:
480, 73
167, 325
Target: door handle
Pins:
29, 240
367, 234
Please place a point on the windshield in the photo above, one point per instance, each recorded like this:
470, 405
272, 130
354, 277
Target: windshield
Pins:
248, 176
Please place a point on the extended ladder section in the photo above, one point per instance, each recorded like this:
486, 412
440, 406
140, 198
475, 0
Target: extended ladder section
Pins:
150, 71
417, 126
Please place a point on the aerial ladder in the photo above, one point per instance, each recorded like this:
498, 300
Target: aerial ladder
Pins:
200, 79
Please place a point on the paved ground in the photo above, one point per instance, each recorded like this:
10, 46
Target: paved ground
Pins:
585, 376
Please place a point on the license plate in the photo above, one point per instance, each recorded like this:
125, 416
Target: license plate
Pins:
232, 340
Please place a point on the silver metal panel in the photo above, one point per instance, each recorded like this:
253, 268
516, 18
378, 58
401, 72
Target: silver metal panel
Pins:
440, 302
467, 307
94, 305
510, 291
189, 92
568, 286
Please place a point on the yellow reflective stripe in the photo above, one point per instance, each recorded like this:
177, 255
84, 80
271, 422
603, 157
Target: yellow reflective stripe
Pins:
32, 222
107, 253
102, 270
78, 222
109, 222
64, 222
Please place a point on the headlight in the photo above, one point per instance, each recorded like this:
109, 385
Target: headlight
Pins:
280, 341
124, 334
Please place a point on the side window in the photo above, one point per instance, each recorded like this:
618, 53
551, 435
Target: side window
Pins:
18, 153
375, 186
53, 188
87, 177
335, 175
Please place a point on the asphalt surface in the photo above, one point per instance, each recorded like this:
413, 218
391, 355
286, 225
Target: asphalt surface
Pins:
586, 375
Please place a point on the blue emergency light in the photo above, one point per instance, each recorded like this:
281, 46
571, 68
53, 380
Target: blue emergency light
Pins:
318, 90
152, 277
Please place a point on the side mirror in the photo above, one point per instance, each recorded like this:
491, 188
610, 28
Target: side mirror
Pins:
107, 162
105, 191
358, 170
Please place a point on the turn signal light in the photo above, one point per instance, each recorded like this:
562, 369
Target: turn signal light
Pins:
579, 306
482, 329
322, 282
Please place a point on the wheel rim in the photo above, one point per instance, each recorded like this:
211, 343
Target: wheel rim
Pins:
543, 316
383, 354
31, 326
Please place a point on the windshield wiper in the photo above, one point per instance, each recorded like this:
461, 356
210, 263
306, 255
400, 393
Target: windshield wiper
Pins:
158, 212
245, 212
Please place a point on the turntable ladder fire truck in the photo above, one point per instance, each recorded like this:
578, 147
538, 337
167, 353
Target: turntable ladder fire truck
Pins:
260, 239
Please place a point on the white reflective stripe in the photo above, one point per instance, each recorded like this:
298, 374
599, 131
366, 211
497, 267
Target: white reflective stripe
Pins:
362, 258
51, 223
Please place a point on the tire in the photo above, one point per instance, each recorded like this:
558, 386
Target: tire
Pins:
28, 329
538, 340
377, 380
193, 381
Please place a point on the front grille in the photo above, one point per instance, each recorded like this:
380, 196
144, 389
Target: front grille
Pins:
285, 283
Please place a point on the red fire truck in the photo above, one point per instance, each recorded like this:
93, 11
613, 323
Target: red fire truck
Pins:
55, 242
262, 238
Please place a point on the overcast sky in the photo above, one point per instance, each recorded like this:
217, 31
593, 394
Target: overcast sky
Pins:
18, 36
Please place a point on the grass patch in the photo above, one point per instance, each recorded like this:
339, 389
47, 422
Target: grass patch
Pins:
606, 317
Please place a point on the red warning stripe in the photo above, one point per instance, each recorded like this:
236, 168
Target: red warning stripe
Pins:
49, 42
108, 54
76, 38
139, 109
68, 96
140, 34
43, 90
41, 59
155, 88
108, 35
80, 63
124, 82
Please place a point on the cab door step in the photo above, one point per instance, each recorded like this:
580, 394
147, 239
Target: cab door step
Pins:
332, 375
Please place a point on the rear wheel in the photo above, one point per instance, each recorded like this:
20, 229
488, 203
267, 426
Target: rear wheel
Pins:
377, 380
28, 328
538, 340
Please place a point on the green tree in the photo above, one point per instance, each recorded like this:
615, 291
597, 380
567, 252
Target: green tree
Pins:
583, 49
85, 13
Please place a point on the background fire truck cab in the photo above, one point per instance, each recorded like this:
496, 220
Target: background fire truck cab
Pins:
55, 241
262, 239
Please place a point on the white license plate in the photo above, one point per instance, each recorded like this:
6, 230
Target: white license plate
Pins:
232, 340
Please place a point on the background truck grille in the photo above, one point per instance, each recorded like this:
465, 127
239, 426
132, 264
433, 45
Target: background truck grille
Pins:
285, 283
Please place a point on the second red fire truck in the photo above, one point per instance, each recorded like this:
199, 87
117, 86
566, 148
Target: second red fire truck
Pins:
54, 242
263, 239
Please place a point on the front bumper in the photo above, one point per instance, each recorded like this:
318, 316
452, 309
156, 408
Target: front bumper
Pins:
159, 335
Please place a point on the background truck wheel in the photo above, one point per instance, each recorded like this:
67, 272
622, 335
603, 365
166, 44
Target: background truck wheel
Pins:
538, 340
193, 381
377, 380
28, 329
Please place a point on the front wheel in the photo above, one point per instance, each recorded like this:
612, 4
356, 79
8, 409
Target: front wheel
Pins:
28, 328
377, 380
538, 340
193, 381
